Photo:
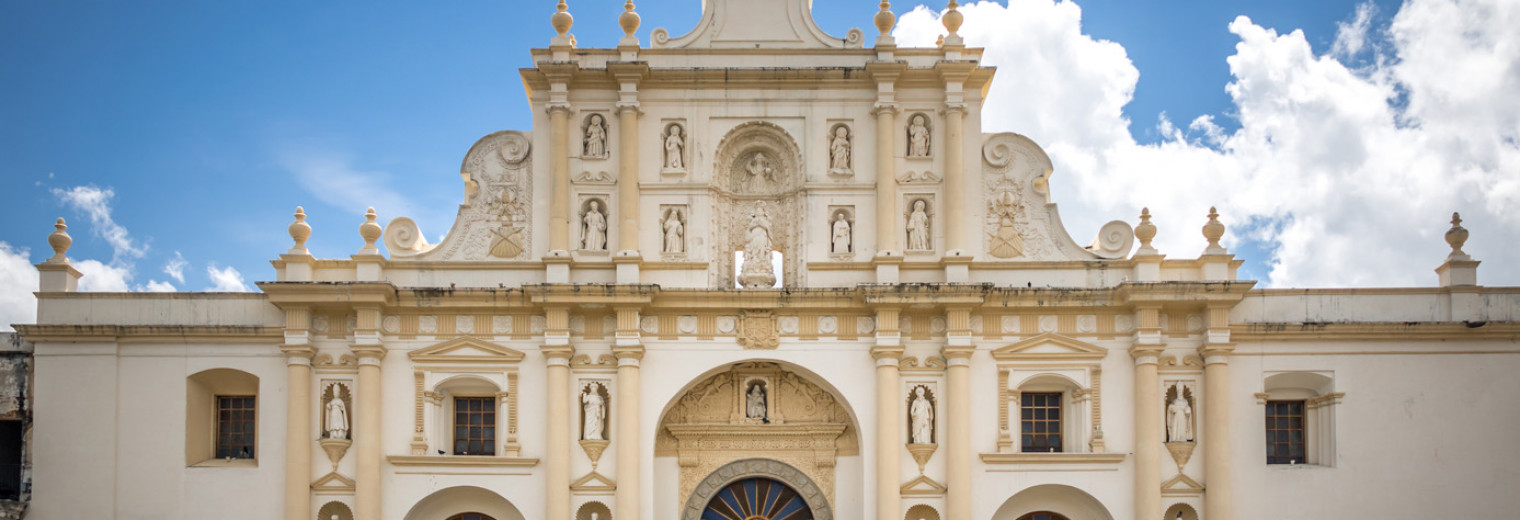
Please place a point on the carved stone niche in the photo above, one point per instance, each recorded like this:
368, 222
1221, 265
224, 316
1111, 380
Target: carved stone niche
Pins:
806, 426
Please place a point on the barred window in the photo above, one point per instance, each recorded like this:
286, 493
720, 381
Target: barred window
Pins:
235, 426
475, 426
1285, 432
1042, 515
1040, 415
470, 516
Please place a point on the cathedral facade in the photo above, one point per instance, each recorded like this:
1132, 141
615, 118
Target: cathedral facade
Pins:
761, 272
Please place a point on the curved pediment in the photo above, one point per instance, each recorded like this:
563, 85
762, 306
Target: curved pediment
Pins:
756, 24
466, 350
1050, 347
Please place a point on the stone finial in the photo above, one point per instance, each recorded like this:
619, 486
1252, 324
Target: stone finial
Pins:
371, 232
60, 240
953, 19
1146, 231
562, 19
629, 20
1214, 230
939, 42
299, 232
885, 20
1455, 237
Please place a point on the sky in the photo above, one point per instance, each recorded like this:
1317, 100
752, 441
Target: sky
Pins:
1335, 137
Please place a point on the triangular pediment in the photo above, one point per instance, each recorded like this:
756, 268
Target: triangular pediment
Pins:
755, 24
1050, 347
923, 486
593, 482
333, 483
466, 349
1181, 485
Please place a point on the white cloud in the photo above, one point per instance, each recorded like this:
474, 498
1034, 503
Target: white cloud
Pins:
1331, 171
1351, 37
101, 277
333, 178
156, 286
96, 204
175, 267
225, 279
18, 279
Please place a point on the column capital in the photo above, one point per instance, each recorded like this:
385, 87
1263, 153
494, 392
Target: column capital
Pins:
373, 353
294, 352
1146, 354
891, 353
628, 352
558, 108
629, 106
1216, 353
886, 109
955, 108
958, 354
558, 353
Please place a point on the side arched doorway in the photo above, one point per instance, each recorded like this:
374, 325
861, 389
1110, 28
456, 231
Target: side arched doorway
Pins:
464, 503
757, 489
1043, 515
1052, 502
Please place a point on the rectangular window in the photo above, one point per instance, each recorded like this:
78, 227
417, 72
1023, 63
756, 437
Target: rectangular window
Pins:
10, 460
475, 426
235, 422
1285, 432
1041, 420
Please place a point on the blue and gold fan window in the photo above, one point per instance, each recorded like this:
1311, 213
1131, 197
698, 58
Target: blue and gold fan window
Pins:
757, 499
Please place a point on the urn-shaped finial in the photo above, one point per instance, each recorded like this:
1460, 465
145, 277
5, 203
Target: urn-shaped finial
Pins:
1213, 230
562, 19
1456, 236
1146, 230
953, 19
60, 240
629, 20
299, 232
371, 232
885, 20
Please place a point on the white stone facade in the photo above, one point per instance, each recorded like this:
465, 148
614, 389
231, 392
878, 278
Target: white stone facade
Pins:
592, 270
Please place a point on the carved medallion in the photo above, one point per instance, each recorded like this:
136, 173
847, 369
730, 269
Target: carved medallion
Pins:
757, 330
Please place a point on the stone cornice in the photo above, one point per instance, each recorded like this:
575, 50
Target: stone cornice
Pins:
152, 333
1373, 331
304, 294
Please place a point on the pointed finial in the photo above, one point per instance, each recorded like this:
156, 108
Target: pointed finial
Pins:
1213, 230
885, 19
370, 231
1455, 237
1146, 231
60, 240
562, 19
629, 20
299, 232
953, 19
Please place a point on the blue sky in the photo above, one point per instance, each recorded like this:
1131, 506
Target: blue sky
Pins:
207, 120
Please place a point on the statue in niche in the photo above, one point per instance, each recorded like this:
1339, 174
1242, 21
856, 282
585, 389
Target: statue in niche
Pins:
841, 238
596, 137
594, 228
918, 227
921, 416
675, 232
839, 150
1179, 420
675, 144
758, 172
594, 409
754, 402
757, 270
918, 137
337, 417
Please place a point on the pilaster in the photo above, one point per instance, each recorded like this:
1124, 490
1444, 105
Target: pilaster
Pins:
888, 352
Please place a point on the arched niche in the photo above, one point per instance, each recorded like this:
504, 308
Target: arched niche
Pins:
799, 482
335, 511
758, 168
201, 392
1067, 501
448, 502
1180, 512
807, 425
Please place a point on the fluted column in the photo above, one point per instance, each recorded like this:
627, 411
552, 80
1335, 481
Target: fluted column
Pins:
628, 178
889, 426
367, 434
559, 165
1147, 433
297, 420
887, 221
1218, 502
955, 178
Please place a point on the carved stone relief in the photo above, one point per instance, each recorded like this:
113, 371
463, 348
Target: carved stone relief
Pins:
494, 223
918, 226
675, 149
594, 144
588, 177
673, 230
759, 178
757, 330
841, 151
842, 232
593, 222
919, 137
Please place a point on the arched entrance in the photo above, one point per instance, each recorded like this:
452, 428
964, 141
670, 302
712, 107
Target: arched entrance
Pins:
464, 503
1052, 502
757, 489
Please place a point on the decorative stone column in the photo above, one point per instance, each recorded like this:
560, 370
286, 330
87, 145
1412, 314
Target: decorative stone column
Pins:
628, 76
955, 177
629, 351
558, 351
886, 177
887, 353
367, 433
559, 165
1147, 432
298, 354
957, 438
1218, 503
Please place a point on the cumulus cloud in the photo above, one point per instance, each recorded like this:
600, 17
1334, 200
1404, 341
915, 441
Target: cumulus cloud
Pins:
175, 267
333, 178
95, 203
225, 279
102, 277
17, 281
1346, 176
157, 286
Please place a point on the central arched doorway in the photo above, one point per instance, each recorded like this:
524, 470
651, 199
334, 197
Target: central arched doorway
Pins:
757, 498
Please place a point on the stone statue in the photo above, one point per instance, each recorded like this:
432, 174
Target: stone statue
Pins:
675, 144
841, 241
1179, 421
918, 227
839, 150
595, 408
754, 407
596, 137
757, 270
594, 229
758, 169
337, 417
921, 415
918, 137
675, 232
